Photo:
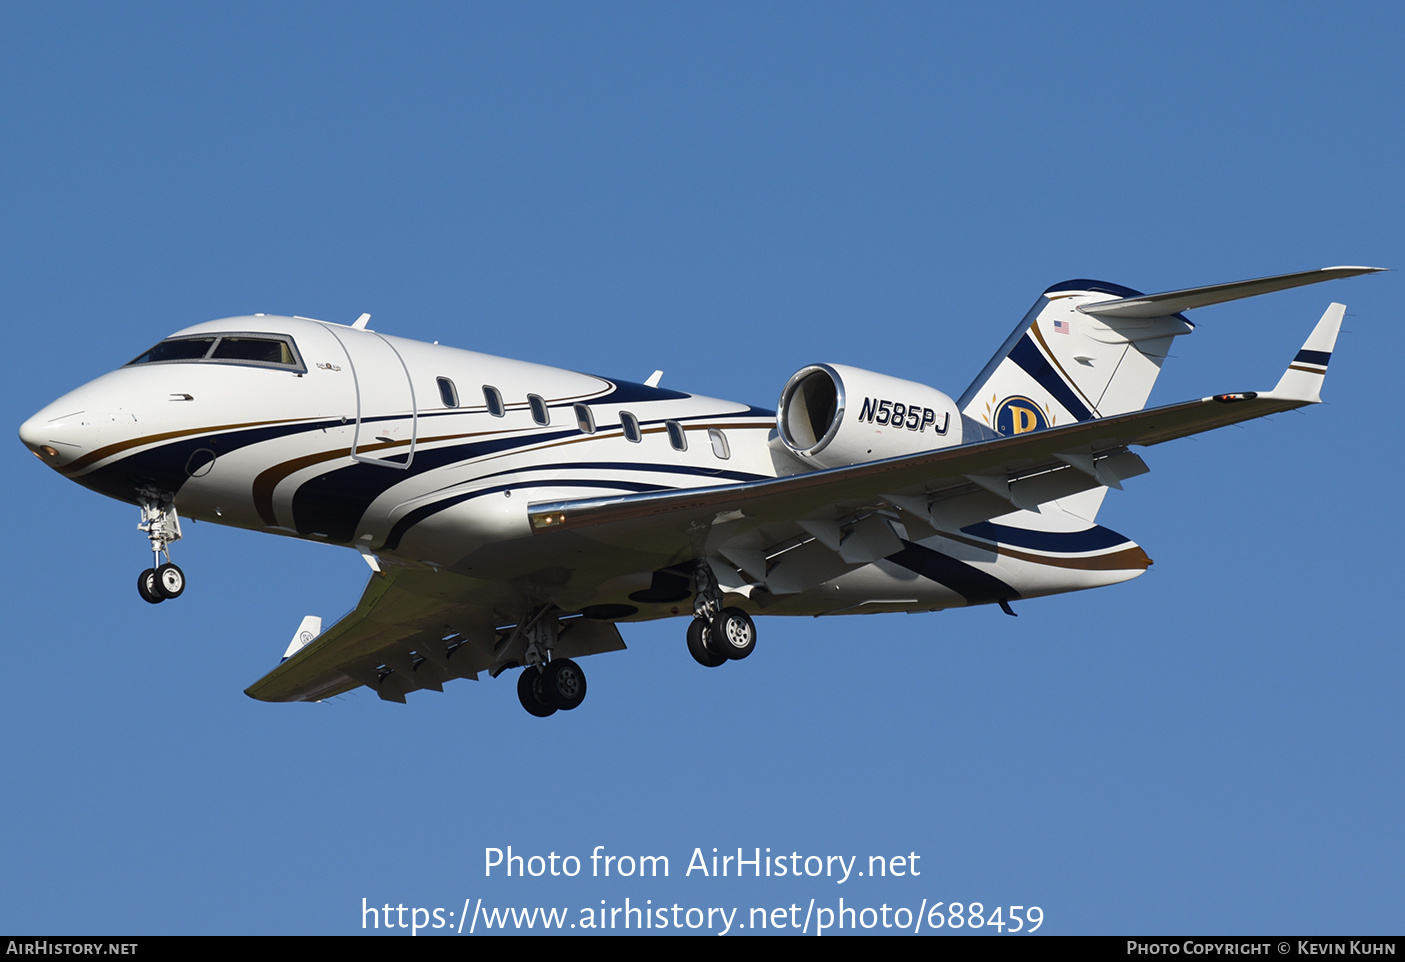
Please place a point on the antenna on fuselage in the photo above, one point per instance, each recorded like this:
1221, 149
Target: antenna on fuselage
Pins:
360, 324
654, 379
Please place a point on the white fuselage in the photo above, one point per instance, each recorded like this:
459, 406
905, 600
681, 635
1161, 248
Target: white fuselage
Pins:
424, 455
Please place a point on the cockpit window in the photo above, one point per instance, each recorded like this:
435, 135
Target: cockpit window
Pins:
177, 349
264, 350
258, 350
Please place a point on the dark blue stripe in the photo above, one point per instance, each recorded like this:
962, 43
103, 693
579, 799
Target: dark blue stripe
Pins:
626, 392
332, 504
1314, 357
414, 517
1027, 355
969, 582
1105, 287
1092, 539
163, 466
1102, 287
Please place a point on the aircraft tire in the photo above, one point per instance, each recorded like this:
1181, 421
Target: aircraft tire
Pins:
529, 693
563, 684
146, 587
734, 632
169, 581
698, 647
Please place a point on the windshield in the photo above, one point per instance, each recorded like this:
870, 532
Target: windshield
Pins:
257, 350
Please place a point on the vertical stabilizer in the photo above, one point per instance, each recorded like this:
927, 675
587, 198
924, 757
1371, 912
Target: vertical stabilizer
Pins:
1062, 365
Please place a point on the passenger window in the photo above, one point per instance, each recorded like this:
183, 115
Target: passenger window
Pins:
719, 443
630, 424
493, 398
539, 412
676, 437
585, 418
448, 393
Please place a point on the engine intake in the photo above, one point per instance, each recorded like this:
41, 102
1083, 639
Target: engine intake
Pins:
835, 415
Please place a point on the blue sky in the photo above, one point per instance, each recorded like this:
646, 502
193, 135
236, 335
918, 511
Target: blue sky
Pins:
726, 192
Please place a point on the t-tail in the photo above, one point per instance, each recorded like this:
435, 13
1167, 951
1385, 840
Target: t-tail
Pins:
1089, 349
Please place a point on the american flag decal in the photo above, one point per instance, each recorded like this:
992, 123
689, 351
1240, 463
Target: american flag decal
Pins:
1061, 327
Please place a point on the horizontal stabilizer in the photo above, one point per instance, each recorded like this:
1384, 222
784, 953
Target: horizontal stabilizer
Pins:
1173, 302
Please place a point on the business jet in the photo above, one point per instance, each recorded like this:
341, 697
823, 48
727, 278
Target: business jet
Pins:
512, 514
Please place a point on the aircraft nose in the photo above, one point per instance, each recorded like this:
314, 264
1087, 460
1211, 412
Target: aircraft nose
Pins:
60, 432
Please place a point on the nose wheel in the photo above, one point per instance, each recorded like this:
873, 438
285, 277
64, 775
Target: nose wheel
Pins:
155, 585
162, 527
146, 587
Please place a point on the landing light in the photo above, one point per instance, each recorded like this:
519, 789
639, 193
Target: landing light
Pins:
48, 451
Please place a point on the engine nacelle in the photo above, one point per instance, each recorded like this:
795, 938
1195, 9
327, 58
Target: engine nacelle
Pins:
835, 415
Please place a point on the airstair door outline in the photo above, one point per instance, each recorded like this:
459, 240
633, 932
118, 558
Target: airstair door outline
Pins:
387, 420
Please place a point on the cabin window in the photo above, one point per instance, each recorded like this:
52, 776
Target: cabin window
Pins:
719, 443
448, 393
254, 350
584, 418
493, 398
676, 436
630, 424
539, 412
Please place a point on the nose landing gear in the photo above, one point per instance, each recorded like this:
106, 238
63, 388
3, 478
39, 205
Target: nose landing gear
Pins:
162, 527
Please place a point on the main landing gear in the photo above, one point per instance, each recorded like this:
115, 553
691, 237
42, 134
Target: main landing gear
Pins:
162, 527
560, 685
547, 685
717, 635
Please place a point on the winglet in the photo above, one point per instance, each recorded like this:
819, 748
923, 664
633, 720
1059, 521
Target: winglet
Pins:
1303, 379
310, 628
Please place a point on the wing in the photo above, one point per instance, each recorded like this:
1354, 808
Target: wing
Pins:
947, 488
416, 629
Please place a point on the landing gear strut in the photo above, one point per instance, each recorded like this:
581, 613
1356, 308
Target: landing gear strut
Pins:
717, 635
162, 527
547, 684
